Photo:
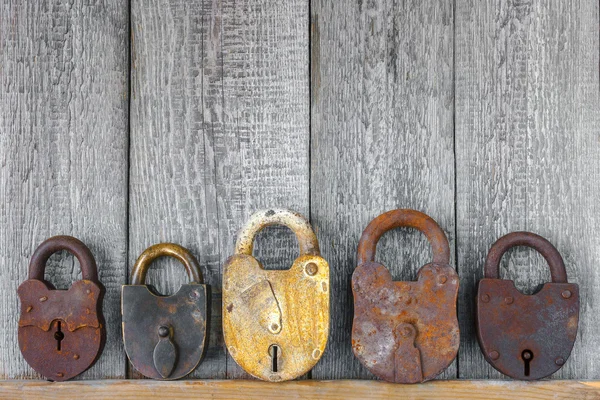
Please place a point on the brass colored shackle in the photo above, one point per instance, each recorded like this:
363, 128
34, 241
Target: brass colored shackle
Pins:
307, 240
140, 269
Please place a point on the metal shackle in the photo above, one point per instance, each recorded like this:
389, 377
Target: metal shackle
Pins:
541, 245
307, 240
141, 266
87, 263
367, 246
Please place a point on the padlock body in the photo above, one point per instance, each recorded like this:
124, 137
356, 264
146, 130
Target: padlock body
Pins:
288, 309
75, 313
185, 314
510, 322
405, 332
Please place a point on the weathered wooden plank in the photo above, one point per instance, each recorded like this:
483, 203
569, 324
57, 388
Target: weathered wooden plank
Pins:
262, 150
382, 138
307, 389
63, 149
172, 166
527, 135
220, 129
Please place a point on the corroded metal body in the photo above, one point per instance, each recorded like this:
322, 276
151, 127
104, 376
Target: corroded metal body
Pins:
276, 323
405, 332
526, 336
165, 336
61, 332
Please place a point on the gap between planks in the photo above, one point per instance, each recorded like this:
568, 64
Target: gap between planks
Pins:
308, 389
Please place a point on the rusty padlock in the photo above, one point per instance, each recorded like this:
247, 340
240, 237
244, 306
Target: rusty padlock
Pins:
61, 332
526, 336
165, 336
405, 332
276, 323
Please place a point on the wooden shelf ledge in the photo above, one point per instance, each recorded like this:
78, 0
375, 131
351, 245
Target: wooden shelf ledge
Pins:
308, 389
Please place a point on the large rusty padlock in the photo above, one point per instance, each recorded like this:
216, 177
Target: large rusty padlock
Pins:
165, 336
61, 332
405, 332
276, 323
526, 336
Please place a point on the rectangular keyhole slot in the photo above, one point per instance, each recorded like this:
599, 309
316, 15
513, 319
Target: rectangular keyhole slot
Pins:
58, 335
275, 353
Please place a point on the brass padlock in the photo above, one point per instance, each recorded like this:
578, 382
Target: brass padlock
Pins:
276, 323
61, 332
405, 332
526, 336
165, 336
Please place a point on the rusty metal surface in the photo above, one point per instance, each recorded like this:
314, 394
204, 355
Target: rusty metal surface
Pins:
526, 336
61, 332
405, 332
276, 323
165, 336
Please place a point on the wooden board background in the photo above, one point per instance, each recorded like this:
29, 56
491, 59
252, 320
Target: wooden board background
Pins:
127, 123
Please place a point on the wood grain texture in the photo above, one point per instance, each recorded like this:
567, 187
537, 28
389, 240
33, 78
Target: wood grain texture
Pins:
382, 138
63, 155
308, 389
220, 129
528, 154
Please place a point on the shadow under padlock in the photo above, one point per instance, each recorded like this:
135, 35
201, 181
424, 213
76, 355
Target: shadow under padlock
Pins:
165, 336
276, 322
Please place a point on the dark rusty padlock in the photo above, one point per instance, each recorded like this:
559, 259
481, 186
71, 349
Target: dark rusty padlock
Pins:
405, 332
165, 336
61, 332
276, 323
526, 336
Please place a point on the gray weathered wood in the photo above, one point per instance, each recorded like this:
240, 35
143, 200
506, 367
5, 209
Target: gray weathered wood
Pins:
528, 154
63, 150
220, 129
382, 138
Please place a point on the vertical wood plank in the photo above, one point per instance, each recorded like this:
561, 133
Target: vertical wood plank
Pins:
172, 167
63, 149
528, 154
262, 151
382, 138
220, 129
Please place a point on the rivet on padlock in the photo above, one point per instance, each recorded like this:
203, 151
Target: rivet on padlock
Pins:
61, 332
405, 332
276, 323
530, 336
165, 336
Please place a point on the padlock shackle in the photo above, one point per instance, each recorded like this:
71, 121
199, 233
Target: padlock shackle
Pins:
367, 246
37, 264
141, 266
555, 261
307, 240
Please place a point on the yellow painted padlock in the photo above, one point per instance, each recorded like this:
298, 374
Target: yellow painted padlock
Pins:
276, 323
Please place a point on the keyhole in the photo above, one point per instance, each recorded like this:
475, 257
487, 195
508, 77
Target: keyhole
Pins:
275, 352
527, 356
58, 335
